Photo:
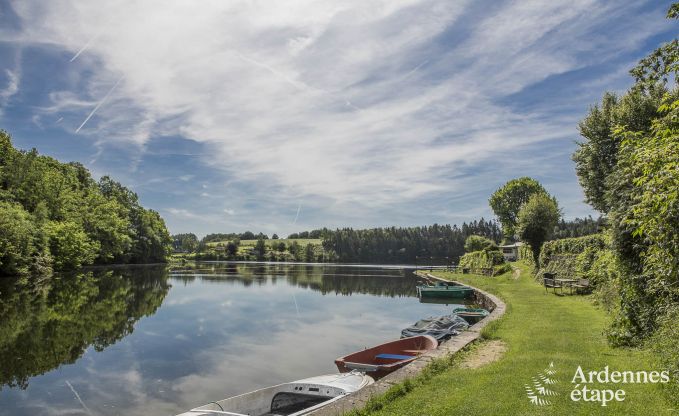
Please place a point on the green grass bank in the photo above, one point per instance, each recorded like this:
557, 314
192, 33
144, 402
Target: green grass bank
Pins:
538, 329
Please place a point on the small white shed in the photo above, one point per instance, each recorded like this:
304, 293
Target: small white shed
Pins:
511, 251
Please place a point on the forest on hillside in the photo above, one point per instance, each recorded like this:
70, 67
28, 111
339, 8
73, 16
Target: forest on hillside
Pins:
55, 216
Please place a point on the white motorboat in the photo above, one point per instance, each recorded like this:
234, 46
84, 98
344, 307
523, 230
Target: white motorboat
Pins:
288, 399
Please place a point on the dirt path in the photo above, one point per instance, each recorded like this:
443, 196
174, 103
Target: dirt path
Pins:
517, 273
487, 353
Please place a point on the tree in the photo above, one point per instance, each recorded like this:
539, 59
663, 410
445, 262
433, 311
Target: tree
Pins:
232, 247
70, 246
152, 242
186, 242
507, 201
309, 253
597, 156
478, 243
248, 235
260, 248
107, 221
274, 237
295, 250
16, 239
536, 220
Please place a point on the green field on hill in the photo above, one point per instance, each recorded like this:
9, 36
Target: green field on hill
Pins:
269, 242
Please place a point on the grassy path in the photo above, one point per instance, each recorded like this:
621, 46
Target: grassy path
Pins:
537, 329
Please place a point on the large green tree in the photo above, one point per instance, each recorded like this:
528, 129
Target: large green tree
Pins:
16, 239
597, 155
69, 245
185, 241
508, 200
536, 221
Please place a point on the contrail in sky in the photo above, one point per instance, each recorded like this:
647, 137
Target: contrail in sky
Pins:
77, 396
297, 84
416, 68
299, 207
87, 45
99, 105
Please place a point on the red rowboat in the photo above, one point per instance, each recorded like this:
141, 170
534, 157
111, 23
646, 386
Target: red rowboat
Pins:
383, 359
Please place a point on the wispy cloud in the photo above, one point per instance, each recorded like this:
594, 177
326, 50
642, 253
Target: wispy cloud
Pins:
354, 106
11, 88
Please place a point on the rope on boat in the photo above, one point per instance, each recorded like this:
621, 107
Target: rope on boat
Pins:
220, 406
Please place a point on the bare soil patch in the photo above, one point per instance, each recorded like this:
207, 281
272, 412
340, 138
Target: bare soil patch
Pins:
487, 353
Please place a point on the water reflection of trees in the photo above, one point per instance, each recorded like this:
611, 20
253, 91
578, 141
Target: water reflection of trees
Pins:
339, 280
47, 323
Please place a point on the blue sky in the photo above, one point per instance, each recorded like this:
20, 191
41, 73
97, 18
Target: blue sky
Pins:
291, 115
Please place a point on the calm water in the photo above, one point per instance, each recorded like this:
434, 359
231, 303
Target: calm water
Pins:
153, 341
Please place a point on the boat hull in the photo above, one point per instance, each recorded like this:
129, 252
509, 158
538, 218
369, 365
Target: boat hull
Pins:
471, 315
383, 359
457, 292
295, 399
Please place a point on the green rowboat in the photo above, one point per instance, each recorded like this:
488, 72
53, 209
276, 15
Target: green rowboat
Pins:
443, 290
471, 315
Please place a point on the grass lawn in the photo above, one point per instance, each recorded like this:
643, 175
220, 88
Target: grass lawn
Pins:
538, 328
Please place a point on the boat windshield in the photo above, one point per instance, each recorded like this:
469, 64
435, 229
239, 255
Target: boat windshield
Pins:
284, 403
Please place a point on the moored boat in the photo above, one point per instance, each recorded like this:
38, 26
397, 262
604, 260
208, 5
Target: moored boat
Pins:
288, 399
443, 290
440, 327
385, 358
471, 315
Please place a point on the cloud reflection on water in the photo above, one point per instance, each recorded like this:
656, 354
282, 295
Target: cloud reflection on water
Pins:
228, 329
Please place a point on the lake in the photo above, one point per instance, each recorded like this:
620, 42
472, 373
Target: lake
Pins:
157, 341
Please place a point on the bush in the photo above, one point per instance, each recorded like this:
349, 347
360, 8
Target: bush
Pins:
501, 269
570, 246
571, 258
478, 243
604, 275
526, 254
481, 259
665, 344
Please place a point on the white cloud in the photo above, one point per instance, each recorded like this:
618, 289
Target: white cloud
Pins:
358, 103
11, 89
183, 213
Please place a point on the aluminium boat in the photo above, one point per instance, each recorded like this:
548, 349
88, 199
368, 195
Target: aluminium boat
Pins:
297, 398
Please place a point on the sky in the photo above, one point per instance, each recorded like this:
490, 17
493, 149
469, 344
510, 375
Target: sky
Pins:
283, 116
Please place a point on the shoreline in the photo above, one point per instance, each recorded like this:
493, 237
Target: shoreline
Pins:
449, 347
